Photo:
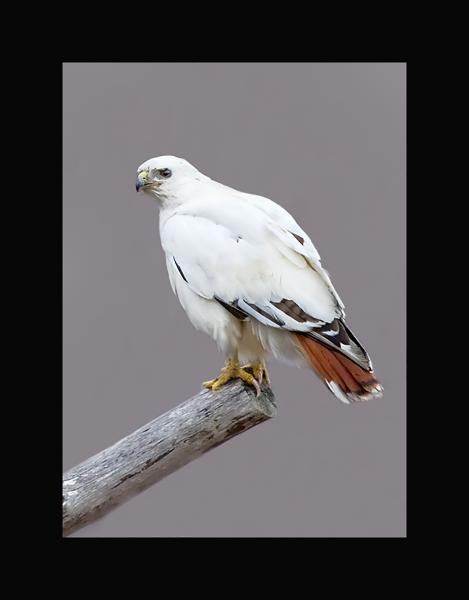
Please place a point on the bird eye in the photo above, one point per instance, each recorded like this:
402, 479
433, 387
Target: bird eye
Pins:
166, 173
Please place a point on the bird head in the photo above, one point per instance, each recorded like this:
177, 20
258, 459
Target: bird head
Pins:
165, 175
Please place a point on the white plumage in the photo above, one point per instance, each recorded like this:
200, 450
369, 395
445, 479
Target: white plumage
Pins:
245, 272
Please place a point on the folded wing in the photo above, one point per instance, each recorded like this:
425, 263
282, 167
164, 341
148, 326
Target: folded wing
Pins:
260, 268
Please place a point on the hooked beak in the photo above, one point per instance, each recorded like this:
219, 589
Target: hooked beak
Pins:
146, 182
142, 180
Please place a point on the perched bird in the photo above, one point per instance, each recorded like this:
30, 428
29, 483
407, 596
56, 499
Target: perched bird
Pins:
248, 275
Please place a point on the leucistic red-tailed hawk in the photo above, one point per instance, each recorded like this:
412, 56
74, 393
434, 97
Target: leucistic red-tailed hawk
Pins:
248, 275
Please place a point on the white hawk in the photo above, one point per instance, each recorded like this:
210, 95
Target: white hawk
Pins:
248, 275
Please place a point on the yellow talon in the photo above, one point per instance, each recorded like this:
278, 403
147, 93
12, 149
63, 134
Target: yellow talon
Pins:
232, 370
260, 371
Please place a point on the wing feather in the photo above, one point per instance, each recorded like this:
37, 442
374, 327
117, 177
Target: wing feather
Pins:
260, 265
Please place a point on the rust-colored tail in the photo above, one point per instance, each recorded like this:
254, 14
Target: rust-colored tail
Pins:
346, 380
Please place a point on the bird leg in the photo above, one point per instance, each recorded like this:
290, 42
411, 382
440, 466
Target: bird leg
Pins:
232, 370
259, 370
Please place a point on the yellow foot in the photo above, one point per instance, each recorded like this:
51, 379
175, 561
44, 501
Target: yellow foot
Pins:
232, 370
259, 371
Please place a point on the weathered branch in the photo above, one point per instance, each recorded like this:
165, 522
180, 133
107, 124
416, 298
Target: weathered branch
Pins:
170, 441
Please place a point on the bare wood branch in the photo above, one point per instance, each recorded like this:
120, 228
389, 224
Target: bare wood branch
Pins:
170, 441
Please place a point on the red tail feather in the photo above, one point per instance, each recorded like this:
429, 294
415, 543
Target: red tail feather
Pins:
346, 380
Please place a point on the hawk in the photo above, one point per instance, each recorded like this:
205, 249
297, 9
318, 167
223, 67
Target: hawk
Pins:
247, 275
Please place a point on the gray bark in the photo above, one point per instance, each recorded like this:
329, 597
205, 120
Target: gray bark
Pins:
170, 441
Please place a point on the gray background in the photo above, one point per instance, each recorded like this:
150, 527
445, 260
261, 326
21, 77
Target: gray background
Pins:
327, 141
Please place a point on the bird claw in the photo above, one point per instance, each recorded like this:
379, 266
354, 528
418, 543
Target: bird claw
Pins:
232, 370
259, 370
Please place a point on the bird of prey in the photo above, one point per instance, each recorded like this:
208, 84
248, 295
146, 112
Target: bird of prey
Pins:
248, 275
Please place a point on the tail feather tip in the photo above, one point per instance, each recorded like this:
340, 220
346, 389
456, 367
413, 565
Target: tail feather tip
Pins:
372, 392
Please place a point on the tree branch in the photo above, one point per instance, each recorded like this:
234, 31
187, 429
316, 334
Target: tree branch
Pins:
94, 487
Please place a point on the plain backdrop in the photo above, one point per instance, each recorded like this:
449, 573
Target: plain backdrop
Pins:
325, 140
